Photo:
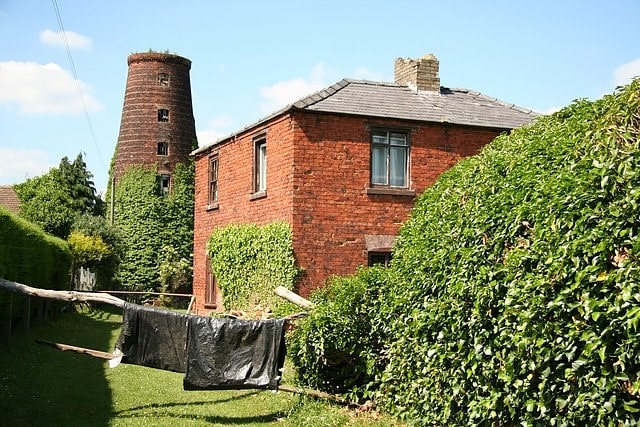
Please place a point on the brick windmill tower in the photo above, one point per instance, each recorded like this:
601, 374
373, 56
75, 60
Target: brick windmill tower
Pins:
157, 127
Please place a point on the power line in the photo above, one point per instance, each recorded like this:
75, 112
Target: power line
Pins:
75, 76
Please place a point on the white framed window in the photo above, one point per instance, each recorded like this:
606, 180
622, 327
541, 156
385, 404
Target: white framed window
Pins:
213, 180
260, 165
389, 159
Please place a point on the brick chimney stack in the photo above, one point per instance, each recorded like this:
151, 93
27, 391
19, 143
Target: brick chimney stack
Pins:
418, 74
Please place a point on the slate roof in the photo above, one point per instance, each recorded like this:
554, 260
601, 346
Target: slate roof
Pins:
392, 100
9, 199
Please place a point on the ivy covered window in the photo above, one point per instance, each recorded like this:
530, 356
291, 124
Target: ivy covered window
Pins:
260, 165
213, 180
389, 159
379, 258
165, 184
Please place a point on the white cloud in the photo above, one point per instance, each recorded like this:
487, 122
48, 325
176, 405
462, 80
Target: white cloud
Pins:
74, 40
218, 127
40, 89
284, 93
16, 165
626, 72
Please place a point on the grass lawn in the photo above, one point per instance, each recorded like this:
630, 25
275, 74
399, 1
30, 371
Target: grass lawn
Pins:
42, 386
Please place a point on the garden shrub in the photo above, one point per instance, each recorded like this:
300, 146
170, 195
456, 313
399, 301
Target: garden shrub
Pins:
337, 347
250, 261
514, 292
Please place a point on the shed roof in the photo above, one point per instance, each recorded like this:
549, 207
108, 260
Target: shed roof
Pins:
392, 100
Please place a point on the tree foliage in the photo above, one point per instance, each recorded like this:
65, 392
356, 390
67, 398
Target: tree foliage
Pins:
514, 293
54, 199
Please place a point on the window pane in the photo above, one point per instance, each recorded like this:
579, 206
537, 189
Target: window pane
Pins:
398, 139
379, 138
261, 167
398, 166
213, 180
379, 165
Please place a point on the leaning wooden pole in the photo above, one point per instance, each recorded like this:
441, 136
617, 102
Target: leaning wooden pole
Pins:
70, 296
285, 293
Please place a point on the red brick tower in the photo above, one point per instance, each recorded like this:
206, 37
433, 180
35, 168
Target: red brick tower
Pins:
157, 125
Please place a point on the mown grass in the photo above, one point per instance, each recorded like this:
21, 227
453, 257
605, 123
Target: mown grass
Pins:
40, 385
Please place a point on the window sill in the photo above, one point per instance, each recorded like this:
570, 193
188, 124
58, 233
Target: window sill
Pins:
258, 195
388, 191
211, 306
212, 207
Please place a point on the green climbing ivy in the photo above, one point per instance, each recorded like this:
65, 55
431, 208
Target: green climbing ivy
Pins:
250, 261
149, 221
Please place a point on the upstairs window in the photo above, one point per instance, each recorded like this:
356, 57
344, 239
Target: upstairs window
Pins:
260, 165
163, 79
163, 148
389, 159
213, 180
163, 115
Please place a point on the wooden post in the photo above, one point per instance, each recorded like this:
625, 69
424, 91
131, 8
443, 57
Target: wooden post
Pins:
5, 324
283, 292
70, 296
26, 313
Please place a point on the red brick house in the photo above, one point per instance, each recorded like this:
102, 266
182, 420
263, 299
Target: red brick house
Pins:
342, 166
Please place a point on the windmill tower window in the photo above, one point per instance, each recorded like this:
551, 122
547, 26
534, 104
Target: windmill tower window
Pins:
165, 184
163, 148
163, 115
163, 79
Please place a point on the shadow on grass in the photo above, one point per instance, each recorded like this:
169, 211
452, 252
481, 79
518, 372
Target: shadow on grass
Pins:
164, 411
40, 385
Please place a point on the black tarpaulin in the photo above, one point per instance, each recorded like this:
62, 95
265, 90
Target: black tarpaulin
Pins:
153, 338
226, 353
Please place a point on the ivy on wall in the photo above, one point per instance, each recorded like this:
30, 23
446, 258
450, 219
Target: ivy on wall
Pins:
149, 221
250, 261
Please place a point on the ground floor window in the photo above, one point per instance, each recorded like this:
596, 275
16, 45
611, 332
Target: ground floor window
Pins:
379, 258
211, 285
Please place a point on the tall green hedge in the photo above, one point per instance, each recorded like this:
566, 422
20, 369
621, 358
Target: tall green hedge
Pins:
250, 261
32, 257
514, 294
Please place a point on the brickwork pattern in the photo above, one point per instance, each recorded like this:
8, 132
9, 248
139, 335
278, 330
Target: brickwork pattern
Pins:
422, 73
140, 130
317, 180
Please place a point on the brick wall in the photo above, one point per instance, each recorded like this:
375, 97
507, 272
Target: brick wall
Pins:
235, 201
320, 185
140, 130
334, 213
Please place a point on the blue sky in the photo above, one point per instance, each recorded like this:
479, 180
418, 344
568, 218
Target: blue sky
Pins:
250, 58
